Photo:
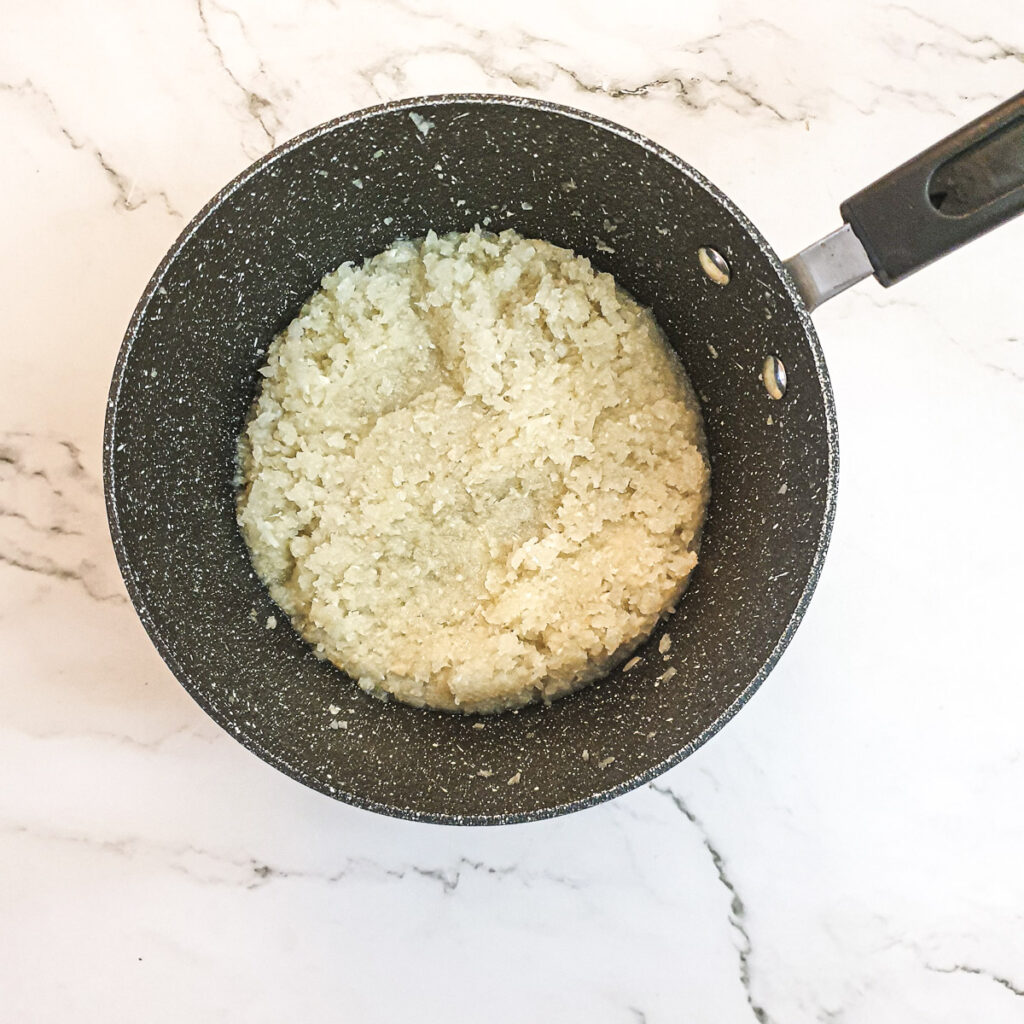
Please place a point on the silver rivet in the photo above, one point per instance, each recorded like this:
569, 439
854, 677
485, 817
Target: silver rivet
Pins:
773, 373
713, 264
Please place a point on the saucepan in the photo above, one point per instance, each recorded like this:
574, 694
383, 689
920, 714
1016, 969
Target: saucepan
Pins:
737, 315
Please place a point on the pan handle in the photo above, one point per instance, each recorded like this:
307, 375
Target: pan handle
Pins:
963, 186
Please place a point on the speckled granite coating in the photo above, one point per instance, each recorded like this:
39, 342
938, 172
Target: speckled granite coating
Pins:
186, 375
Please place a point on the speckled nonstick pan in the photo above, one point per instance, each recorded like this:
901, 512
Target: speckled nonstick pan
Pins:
240, 271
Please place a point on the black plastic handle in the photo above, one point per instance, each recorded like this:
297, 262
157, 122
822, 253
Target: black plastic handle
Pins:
953, 192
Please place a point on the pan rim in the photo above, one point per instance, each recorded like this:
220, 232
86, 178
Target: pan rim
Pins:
252, 742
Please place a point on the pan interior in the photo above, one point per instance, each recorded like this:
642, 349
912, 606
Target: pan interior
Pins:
187, 375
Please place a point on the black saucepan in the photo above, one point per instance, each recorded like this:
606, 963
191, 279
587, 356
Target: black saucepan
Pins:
240, 271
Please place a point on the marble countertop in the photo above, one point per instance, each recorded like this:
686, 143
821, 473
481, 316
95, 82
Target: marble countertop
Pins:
849, 849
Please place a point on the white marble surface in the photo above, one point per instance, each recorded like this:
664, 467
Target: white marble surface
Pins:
849, 849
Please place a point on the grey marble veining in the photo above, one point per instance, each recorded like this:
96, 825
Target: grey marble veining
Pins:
847, 850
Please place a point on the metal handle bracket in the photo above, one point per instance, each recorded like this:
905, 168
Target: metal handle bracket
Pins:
829, 266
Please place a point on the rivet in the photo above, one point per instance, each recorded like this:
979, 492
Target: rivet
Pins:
714, 265
773, 373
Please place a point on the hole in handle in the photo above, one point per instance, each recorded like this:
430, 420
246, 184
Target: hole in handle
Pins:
981, 174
